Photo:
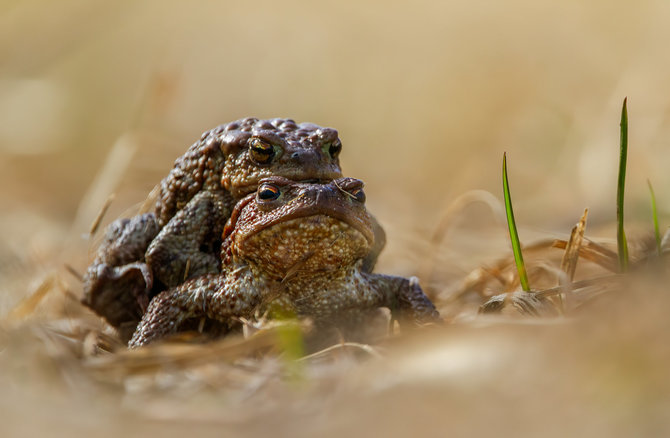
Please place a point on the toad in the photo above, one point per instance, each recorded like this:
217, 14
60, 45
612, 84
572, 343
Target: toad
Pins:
299, 247
149, 253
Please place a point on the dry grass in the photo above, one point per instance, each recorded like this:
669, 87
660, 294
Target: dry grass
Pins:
99, 98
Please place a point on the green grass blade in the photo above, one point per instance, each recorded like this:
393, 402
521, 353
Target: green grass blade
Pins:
291, 342
622, 245
513, 235
654, 213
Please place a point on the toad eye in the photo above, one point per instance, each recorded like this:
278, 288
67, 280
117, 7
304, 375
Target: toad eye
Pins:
358, 195
335, 148
260, 151
268, 192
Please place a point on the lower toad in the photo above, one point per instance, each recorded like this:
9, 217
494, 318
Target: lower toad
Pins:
299, 247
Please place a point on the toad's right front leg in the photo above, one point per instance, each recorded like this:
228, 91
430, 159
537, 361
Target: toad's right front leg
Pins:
217, 296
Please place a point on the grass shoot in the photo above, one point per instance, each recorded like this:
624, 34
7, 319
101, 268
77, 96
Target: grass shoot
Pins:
513, 234
622, 245
654, 214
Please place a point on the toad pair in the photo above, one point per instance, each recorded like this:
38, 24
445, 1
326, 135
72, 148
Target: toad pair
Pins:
298, 235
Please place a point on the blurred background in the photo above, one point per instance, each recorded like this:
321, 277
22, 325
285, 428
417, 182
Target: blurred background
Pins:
100, 98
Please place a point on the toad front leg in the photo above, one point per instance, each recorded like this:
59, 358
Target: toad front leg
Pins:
218, 297
405, 298
188, 245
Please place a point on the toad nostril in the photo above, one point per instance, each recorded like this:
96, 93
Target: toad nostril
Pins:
295, 155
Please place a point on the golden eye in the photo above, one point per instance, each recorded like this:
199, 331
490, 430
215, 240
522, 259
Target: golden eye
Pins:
260, 151
359, 195
268, 192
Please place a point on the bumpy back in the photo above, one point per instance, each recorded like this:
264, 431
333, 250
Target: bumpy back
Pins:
200, 167
222, 158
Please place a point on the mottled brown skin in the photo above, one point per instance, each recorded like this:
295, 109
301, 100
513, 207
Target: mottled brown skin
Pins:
298, 246
117, 281
196, 199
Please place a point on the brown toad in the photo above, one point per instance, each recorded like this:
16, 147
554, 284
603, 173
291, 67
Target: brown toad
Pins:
299, 246
182, 239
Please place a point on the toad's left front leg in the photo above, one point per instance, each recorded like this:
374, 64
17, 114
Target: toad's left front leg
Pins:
405, 298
